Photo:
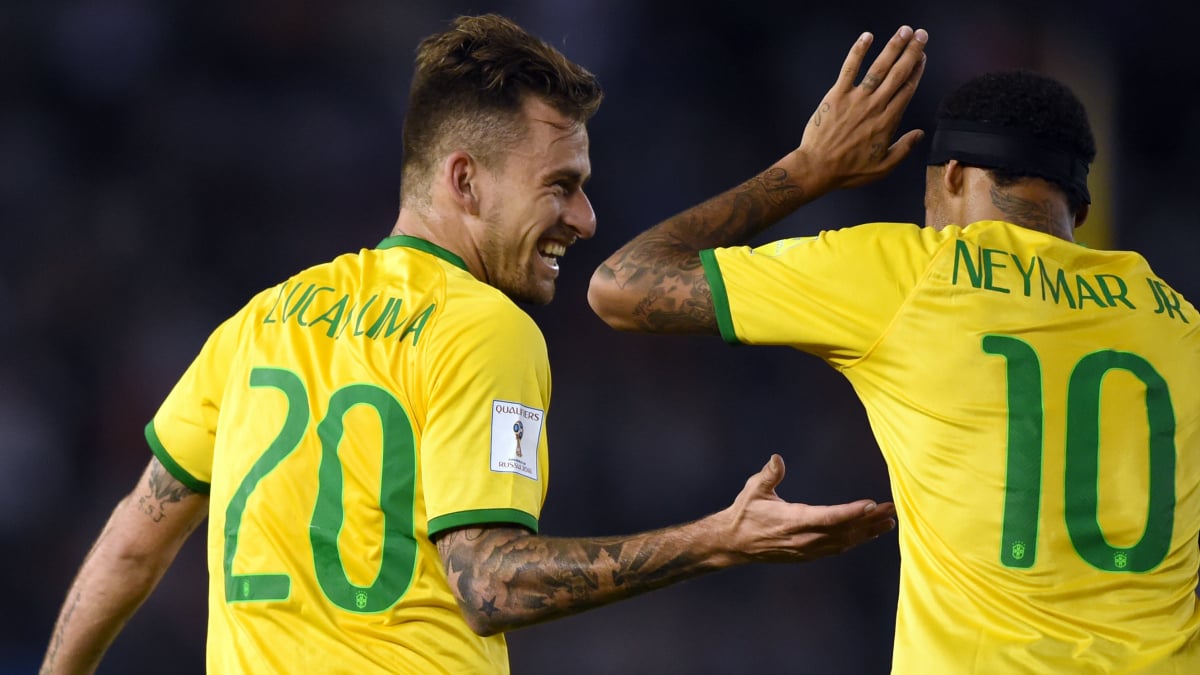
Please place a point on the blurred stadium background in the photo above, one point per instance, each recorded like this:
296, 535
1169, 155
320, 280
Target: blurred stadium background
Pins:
161, 161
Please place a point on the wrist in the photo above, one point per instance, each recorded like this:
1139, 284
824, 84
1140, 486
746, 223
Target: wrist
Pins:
805, 173
716, 536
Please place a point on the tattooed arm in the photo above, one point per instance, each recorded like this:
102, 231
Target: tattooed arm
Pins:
138, 543
655, 282
506, 577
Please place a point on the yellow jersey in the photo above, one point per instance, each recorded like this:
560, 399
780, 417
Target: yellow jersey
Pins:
339, 421
1038, 407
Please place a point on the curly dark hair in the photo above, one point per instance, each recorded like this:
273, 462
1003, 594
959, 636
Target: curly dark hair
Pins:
1030, 102
468, 89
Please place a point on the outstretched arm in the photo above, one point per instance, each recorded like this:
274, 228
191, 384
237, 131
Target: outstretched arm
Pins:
138, 543
655, 282
506, 578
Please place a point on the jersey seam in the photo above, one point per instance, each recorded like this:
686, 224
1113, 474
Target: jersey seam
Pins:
908, 300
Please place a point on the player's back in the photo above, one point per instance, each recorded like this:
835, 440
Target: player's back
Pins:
318, 542
1039, 409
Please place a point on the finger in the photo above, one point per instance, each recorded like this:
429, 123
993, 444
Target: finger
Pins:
853, 62
883, 527
904, 93
901, 149
907, 70
772, 473
881, 520
837, 514
884, 510
879, 70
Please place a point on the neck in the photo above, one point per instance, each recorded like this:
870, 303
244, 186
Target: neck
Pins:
1033, 209
435, 229
1031, 203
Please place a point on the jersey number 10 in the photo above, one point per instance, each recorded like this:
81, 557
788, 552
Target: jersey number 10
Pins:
1023, 484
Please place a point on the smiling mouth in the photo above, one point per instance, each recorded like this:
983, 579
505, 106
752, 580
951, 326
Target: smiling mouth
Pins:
550, 252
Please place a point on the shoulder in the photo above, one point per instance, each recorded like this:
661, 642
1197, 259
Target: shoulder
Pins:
865, 236
477, 312
888, 236
869, 240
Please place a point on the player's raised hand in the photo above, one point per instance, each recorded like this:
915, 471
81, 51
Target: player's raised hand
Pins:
762, 527
848, 140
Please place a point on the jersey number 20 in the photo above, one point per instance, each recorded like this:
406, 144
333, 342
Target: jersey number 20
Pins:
395, 498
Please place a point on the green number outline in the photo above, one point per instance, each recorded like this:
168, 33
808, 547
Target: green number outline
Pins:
276, 586
1023, 479
1082, 460
396, 498
1023, 471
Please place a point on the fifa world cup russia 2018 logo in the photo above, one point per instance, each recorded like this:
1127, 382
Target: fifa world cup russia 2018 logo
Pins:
519, 433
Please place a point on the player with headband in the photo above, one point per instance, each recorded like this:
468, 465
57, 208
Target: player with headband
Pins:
1036, 401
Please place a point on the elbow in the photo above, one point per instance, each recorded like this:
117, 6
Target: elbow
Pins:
483, 617
476, 564
605, 298
482, 624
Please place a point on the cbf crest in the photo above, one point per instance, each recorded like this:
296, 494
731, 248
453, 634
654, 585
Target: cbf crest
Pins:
516, 433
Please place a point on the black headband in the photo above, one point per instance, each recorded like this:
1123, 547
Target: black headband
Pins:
992, 146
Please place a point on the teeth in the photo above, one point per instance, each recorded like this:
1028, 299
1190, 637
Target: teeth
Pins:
552, 249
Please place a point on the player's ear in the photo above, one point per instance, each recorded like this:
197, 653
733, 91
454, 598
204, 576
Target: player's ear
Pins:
952, 177
1082, 214
461, 176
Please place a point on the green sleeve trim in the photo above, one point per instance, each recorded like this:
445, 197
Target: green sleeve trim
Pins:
482, 517
169, 463
720, 297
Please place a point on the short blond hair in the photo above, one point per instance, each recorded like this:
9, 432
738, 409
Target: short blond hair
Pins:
468, 89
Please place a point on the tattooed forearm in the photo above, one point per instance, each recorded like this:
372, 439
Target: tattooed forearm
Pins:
779, 190
517, 579
57, 640
662, 265
122, 568
738, 214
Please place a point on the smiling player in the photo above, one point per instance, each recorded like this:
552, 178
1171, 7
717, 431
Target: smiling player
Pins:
350, 432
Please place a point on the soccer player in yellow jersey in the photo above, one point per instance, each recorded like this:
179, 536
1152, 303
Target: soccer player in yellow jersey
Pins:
368, 439
1037, 402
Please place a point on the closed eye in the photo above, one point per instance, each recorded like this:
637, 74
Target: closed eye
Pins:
565, 182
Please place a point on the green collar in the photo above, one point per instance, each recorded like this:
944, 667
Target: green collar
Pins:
423, 245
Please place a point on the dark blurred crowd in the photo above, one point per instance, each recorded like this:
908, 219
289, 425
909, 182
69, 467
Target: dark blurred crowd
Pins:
162, 161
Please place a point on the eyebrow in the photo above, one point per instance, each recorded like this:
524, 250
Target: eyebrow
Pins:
567, 174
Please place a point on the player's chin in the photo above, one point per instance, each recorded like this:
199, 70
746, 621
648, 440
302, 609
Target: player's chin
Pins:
537, 293
543, 294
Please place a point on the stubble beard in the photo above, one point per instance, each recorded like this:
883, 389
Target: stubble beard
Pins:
507, 274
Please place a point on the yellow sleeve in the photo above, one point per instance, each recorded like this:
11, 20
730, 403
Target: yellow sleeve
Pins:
831, 295
483, 450
183, 431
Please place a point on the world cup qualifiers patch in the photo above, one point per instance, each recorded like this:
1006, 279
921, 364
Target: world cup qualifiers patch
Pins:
516, 431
